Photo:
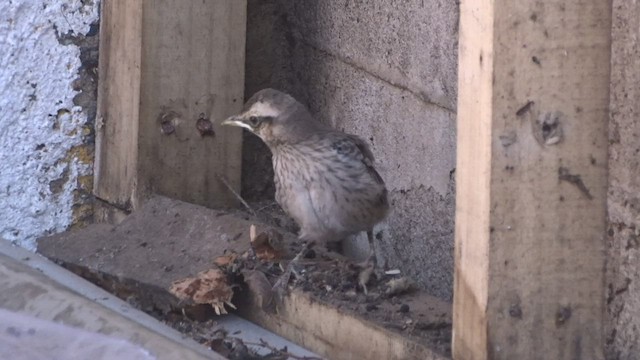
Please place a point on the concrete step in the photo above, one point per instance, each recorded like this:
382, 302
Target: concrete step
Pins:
168, 240
49, 312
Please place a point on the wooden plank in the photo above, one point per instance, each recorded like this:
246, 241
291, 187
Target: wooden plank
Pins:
172, 69
337, 334
192, 66
116, 161
531, 179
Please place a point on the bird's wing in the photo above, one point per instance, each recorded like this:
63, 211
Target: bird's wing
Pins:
346, 187
363, 152
368, 161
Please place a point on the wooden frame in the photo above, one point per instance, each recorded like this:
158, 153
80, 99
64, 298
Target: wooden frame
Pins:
169, 71
532, 151
531, 179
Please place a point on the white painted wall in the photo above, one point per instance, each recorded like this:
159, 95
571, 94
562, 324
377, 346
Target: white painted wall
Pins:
38, 122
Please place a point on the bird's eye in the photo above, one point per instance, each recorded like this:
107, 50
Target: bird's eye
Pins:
254, 120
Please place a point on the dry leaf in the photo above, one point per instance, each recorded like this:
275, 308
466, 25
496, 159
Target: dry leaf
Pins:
268, 245
208, 287
260, 287
218, 346
399, 285
225, 260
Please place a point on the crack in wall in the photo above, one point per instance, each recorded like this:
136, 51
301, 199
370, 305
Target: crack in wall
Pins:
420, 96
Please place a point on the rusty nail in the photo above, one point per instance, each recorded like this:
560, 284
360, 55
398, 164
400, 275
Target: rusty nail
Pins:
168, 121
205, 126
167, 127
515, 311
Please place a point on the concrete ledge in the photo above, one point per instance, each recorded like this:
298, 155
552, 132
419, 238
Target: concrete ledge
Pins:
169, 240
32, 285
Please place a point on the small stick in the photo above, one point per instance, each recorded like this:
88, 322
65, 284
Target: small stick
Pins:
268, 206
273, 349
246, 205
281, 284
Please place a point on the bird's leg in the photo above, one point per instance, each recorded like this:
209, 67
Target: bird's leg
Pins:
335, 246
378, 269
372, 248
367, 269
282, 282
333, 251
369, 266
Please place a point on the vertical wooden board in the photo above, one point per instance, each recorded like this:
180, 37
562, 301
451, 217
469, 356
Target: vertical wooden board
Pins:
472, 178
549, 187
115, 170
540, 291
192, 67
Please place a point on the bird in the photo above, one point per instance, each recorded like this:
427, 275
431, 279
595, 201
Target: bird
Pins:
325, 179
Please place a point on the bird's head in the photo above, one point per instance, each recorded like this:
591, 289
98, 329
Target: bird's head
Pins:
275, 117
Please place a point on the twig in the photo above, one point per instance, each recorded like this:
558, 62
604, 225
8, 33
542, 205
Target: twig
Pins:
268, 206
282, 351
246, 205
280, 286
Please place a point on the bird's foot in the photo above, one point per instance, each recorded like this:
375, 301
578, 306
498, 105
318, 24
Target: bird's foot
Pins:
378, 267
335, 246
283, 281
367, 269
330, 256
370, 267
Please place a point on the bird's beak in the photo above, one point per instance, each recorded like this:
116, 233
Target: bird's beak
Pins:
236, 120
232, 121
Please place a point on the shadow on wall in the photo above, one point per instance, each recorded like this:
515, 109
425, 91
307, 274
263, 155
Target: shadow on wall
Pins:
386, 72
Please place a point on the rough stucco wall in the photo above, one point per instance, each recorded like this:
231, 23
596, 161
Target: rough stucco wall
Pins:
386, 71
47, 106
623, 281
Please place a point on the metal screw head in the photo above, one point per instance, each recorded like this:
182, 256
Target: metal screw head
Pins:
167, 128
168, 121
205, 126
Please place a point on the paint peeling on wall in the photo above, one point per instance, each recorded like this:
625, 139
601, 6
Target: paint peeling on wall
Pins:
46, 132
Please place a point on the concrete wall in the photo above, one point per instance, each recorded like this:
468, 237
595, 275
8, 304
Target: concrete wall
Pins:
47, 106
386, 71
623, 281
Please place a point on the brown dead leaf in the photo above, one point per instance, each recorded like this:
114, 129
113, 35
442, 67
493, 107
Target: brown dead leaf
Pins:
399, 285
218, 346
260, 287
208, 287
225, 260
268, 245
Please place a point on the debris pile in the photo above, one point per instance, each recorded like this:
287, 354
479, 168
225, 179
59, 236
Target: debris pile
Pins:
235, 348
208, 287
262, 270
